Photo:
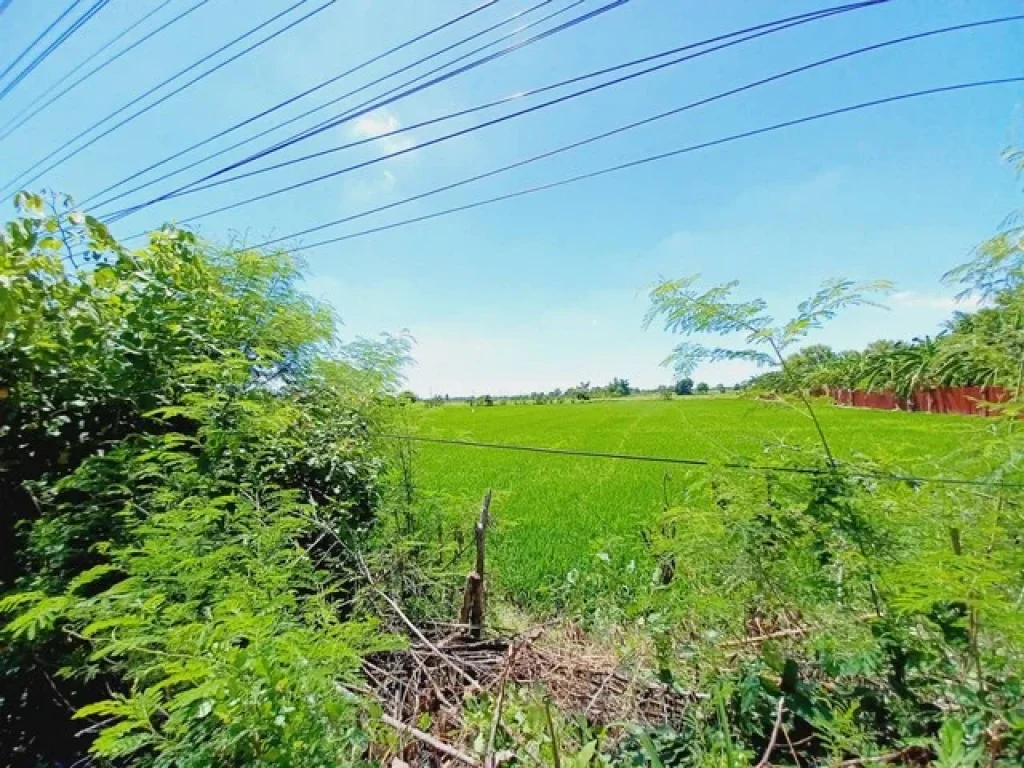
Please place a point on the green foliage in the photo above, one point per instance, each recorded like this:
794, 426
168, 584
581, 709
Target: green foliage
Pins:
177, 426
684, 386
904, 596
618, 387
535, 732
685, 309
980, 348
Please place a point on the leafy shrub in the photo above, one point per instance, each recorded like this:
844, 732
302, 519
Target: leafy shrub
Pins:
178, 425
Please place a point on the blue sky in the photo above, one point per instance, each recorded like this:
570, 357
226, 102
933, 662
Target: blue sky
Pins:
548, 290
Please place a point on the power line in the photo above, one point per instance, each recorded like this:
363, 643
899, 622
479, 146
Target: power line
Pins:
28, 113
758, 31
48, 51
307, 92
367, 103
380, 100
157, 87
358, 112
731, 465
632, 164
18, 181
582, 142
42, 35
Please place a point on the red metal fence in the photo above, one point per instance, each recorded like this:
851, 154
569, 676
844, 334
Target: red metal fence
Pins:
972, 401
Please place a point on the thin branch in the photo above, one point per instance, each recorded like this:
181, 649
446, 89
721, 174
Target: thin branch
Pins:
488, 755
423, 639
426, 738
433, 683
775, 734
806, 403
891, 757
792, 749
63, 233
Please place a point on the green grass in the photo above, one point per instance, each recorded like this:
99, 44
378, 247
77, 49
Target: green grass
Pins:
555, 513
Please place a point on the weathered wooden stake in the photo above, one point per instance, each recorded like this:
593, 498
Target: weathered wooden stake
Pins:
473, 599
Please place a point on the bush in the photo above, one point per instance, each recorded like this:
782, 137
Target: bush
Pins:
684, 386
175, 437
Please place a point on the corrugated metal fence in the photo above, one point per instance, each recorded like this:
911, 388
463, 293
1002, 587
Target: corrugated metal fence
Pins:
972, 401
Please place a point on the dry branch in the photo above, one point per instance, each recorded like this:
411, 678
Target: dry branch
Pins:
775, 734
426, 738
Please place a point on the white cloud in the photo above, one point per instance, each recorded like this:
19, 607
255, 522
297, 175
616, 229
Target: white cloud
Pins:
380, 123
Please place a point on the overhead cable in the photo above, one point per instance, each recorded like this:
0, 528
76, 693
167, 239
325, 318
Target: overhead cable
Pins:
731, 465
760, 31
760, 82
39, 38
21, 181
30, 111
280, 105
66, 35
361, 106
628, 165
370, 107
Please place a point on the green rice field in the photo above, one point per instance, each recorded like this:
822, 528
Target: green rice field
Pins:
556, 513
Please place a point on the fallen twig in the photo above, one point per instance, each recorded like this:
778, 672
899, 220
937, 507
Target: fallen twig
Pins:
496, 721
775, 734
792, 749
423, 639
426, 738
433, 684
891, 757
415, 630
792, 632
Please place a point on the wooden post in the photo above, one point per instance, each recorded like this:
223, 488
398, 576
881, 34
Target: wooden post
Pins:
473, 599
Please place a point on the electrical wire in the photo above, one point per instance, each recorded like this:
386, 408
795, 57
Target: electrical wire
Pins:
528, 93
337, 99
22, 182
632, 164
732, 465
150, 91
98, 6
591, 139
378, 102
762, 30
370, 107
28, 112
307, 92
42, 35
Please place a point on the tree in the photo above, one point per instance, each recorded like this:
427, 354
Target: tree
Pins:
619, 387
580, 392
683, 386
702, 388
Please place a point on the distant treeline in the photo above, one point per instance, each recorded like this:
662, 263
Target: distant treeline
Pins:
582, 392
984, 348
